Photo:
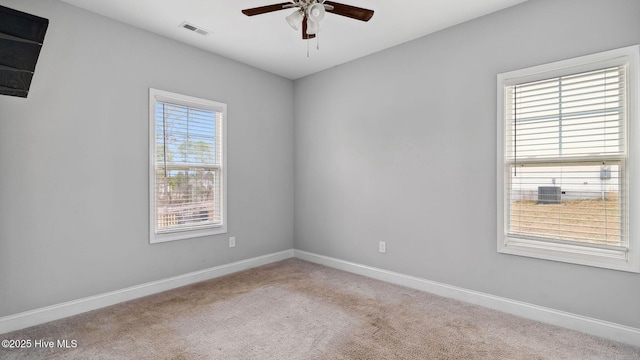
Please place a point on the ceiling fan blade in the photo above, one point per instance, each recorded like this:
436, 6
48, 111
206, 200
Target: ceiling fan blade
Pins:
266, 9
349, 11
306, 36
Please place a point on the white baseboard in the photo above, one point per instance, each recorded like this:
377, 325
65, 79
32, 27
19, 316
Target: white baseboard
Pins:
59, 311
604, 329
608, 330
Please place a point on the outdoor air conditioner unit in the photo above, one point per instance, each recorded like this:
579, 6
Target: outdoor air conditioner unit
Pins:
549, 195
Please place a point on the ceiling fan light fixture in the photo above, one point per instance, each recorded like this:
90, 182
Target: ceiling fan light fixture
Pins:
309, 13
316, 12
295, 19
312, 27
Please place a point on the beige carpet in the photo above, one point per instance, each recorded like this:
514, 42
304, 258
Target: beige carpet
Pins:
298, 310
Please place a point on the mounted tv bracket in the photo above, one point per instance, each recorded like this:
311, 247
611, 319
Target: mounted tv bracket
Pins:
21, 38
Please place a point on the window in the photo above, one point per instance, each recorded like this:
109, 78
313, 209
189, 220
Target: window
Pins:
186, 166
568, 161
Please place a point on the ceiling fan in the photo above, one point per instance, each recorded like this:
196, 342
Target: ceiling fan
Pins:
309, 13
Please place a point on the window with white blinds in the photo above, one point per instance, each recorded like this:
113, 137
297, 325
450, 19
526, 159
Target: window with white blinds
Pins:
564, 160
187, 166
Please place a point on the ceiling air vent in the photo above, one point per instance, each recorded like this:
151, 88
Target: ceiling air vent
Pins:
194, 28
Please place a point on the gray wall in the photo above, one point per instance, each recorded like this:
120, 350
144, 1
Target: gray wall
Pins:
73, 160
400, 146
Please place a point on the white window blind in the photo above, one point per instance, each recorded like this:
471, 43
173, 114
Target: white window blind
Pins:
565, 148
187, 166
567, 160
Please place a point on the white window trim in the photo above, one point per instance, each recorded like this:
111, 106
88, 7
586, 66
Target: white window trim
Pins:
161, 95
625, 260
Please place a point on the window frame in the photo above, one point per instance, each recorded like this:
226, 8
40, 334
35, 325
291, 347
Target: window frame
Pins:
155, 96
618, 259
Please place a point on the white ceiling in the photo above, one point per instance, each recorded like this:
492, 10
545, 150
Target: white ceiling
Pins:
267, 42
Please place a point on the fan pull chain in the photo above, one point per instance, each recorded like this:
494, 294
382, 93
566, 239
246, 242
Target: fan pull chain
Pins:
307, 47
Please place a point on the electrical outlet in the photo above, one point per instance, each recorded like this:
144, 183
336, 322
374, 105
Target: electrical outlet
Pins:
232, 241
382, 247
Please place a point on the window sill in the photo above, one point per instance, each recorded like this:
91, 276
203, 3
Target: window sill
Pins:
186, 234
609, 258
